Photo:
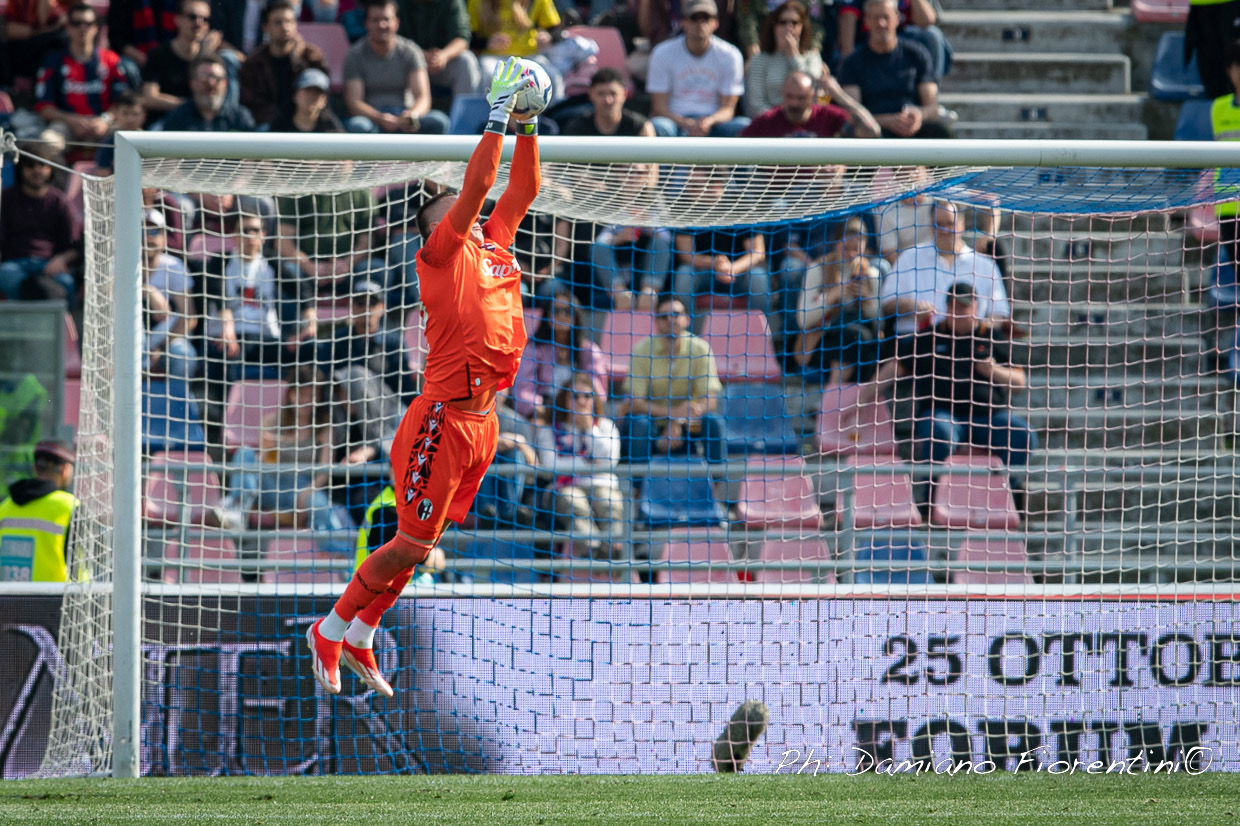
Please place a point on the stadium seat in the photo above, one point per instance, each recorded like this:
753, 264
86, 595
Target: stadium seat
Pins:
883, 551
248, 403
1194, 122
882, 495
741, 341
611, 51
170, 418
504, 551
415, 341
331, 38
73, 402
794, 550
757, 421
161, 500
871, 434
201, 488
673, 498
73, 350
981, 499
6, 104
976, 549
785, 501
73, 189
313, 566
1171, 79
1159, 11
621, 331
332, 311
203, 245
212, 561
468, 114
1202, 224
620, 572
702, 553
1223, 292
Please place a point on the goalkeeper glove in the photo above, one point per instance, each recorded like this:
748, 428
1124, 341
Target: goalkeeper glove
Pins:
508, 79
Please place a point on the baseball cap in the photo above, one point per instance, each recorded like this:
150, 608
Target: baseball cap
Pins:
154, 218
961, 292
314, 79
693, 7
367, 291
57, 449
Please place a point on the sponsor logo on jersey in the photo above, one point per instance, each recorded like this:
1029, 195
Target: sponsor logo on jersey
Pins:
497, 269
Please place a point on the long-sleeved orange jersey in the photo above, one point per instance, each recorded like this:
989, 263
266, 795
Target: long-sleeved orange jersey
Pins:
471, 293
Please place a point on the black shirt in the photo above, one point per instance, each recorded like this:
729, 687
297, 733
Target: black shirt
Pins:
889, 81
721, 241
944, 377
630, 125
282, 68
168, 69
327, 122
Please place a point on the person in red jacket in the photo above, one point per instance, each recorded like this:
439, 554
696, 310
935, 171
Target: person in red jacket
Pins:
475, 334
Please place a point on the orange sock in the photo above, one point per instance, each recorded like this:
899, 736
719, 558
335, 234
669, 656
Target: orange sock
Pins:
373, 613
373, 578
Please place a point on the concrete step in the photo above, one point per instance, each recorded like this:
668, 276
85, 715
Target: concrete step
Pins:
1059, 130
1054, 390
1146, 319
1133, 507
1073, 73
1018, 30
1039, 107
1125, 429
951, 6
1158, 359
1148, 252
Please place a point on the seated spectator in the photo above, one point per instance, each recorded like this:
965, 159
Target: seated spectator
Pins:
271, 73
786, 46
310, 110
558, 350
837, 314
386, 88
722, 262
757, 17
76, 86
798, 116
915, 293
696, 79
169, 310
379, 528
372, 412
329, 236
33, 30
516, 28
208, 110
608, 115
908, 222
38, 233
127, 114
673, 388
917, 19
366, 342
580, 447
168, 73
441, 29
894, 78
137, 27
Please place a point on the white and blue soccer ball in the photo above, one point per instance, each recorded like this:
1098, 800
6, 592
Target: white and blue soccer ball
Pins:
536, 97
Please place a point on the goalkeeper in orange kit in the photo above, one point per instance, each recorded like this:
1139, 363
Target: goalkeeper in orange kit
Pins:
475, 333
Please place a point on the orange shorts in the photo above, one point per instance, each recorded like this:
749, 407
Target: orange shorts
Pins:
439, 457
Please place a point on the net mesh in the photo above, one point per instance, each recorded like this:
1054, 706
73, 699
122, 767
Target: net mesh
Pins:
284, 339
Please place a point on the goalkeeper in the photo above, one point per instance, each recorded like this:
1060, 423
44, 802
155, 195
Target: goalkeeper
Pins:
475, 333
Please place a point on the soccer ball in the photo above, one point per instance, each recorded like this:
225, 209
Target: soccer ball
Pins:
533, 99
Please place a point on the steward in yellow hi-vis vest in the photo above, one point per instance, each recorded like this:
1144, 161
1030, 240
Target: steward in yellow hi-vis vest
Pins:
379, 526
1225, 123
34, 519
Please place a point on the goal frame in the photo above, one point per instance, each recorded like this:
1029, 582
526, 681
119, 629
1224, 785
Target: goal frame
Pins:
133, 147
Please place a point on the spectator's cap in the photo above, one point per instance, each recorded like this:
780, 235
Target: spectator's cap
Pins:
154, 218
367, 292
314, 79
962, 293
692, 7
57, 450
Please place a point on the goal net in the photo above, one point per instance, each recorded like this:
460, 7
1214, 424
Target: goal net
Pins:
928, 449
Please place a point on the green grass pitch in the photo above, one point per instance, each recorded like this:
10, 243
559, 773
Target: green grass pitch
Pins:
740, 799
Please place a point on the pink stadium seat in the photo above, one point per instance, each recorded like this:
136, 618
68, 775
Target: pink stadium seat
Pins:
621, 331
248, 403
975, 549
786, 501
73, 401
202, 489
415, 340
331, 38
982, 499
698, 552
204, 245
871, 434
611, 52
620, 573
789, 550
1202, 224
161, 501
210, 561
882, 495
6, 102
73, 350
74, 188
741, 340
1160, 11
317, 565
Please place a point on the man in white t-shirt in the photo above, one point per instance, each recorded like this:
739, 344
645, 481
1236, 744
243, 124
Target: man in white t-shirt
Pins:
695, 80
915, 292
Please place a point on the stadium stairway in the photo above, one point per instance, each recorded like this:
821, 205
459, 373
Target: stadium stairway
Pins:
1047, 69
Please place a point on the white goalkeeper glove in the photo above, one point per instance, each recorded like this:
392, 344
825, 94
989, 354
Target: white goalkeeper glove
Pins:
508, 79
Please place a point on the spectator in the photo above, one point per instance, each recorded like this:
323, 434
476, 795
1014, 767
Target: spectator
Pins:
673, 388
127, 113
386, 88
366, 342
38, 233
915, 292
441, 29
76, 86
817, 17
798, 116
1212, 27
209, 109
962, 377
379, 528
837, 314
786, 46
169, 71
372, 414
580, 447
328, 235
696, 79
137, 27
558, 350
519, 28
169, 311
894, 78
908, 222
917, 19
35, 518
608, 115
270, 75
310, 110
722, 262
34, 29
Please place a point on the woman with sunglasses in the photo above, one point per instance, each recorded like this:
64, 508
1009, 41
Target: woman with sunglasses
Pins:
559, 348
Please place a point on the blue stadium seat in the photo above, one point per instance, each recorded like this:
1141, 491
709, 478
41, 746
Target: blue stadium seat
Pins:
468, 115
170, 418
506, 551
1171, 79
1194, 122
672, 498
1223, 293
757, 421
880, 550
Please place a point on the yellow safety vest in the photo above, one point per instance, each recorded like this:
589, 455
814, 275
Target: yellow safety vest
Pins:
33, 537
385, 499
21, 426
1225, 120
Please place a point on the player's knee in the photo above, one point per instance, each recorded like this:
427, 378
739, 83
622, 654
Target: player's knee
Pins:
412, 551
